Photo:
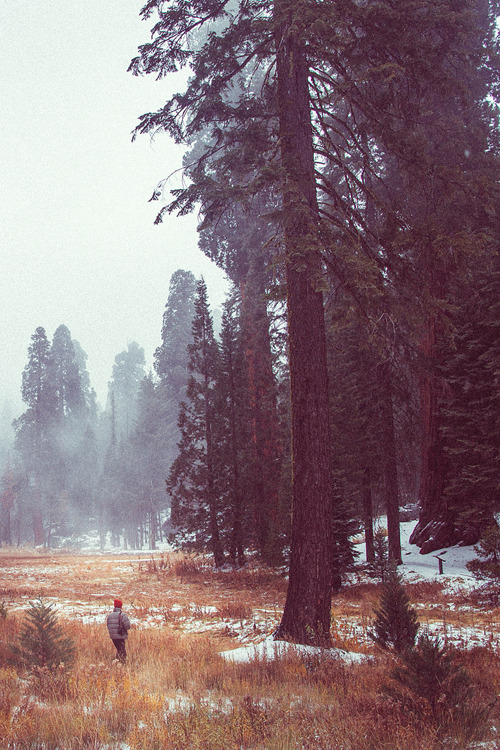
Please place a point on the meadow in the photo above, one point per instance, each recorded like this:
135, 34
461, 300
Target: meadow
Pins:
179, 691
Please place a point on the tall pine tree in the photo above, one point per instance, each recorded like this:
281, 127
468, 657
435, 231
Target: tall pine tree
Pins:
193, 481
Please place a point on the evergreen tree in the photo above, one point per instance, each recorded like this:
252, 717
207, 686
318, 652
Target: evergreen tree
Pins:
487, 566
395, 625
51, 439
171, 364
362, 420
8, 493
127, 374
35, 389
234, 434
70, 424
471, 413
239, 242
34, 432
109, 486
171, 357
89, 393
84, 477
144, 469
41, 641
380, 566
270, 510
64, 375
445, 694
193, 479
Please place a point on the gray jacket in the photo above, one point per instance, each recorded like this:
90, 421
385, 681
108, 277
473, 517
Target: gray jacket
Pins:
118, 624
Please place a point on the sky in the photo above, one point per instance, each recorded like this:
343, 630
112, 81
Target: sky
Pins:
78, 244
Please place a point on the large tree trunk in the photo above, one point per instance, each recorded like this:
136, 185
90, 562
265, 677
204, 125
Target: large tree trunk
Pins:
306, 617
264, 425
368, 515
434, 528
390, 468
213, 523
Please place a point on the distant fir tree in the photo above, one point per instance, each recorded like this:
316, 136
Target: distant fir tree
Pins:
127, 375
65, 375
356, 419
89, 393
109, 486
55, 445
270, 509
171, 357
9, 489
34, 432
84, 478
66, 511
35, 389
144, 469
240, 241
193, 481
171, 362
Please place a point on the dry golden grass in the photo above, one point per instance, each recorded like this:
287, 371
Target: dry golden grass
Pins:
176, 691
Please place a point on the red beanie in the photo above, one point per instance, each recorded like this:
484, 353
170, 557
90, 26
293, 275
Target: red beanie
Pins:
118, 603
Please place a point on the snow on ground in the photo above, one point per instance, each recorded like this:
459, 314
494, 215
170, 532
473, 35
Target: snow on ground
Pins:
427, 566
270, 649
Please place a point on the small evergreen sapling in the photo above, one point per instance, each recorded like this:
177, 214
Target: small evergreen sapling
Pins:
42, 642
395, 625
430, 683
380, 566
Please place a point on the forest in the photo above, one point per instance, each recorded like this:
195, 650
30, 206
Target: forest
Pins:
345, 166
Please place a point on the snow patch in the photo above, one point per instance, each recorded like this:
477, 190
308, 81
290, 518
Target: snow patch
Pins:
270, 649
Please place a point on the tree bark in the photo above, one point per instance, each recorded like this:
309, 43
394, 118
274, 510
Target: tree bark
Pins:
433, 529
264, 423
368, 515
213, 523
306, 616
390, 468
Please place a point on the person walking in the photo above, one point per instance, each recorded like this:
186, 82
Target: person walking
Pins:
118, 626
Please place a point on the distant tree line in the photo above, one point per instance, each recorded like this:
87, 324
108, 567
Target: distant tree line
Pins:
206, 420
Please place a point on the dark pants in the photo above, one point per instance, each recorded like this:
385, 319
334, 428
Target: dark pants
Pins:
121, 653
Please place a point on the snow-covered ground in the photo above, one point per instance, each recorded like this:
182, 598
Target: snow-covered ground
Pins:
427, 566
270, 649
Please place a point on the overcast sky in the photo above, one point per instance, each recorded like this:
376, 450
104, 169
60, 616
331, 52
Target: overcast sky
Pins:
78, 244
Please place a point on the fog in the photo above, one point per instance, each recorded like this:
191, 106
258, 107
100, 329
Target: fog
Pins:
78, 243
